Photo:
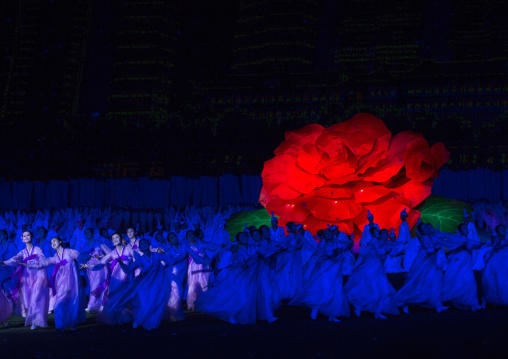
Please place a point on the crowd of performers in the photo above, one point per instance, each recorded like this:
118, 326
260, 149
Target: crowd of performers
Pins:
144, 279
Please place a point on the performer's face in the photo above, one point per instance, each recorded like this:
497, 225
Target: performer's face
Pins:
256, 236
55, 244
116, 240
88, 234
191, 236
173, 239
144, 245
243, 238
265, 232
26, 237
131, 233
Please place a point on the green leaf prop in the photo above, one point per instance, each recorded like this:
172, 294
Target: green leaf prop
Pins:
237, 221
445, 212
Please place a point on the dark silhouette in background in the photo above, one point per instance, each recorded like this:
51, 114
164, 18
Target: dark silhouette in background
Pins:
160, 88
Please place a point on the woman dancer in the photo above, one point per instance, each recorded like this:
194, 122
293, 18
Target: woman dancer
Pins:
289, 272
268, 300
91, 254
147, 295
133, 241
116, 275
368, 288
494, 276
31, 290
178, 270
198, 274
459, 284
65, 284
424, 282
234, 298
323, 292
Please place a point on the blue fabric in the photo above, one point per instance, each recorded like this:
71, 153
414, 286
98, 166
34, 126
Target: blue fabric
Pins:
229, 190
207, 191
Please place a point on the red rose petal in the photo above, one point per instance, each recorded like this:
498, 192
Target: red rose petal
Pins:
312, 159
333, 192
366, 192
288, 210
418, 160
331, 176
440, 154
332, 210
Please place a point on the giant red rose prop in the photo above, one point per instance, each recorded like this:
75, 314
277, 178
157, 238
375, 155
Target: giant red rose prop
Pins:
333, 175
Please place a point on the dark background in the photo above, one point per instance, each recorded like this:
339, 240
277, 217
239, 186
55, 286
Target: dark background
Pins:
114, 88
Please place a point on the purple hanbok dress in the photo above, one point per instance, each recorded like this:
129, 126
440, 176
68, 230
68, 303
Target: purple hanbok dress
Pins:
146, 295
116, 276
178, 272
66, 288
198, 275
95, 278
30, 293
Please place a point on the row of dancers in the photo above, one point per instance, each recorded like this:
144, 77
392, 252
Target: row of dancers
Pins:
145, 280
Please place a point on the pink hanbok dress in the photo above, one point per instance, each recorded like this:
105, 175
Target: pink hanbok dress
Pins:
198, 275
116, 276
178, 272
144, 296
66, 287
95, 278
30, 293
48, 251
